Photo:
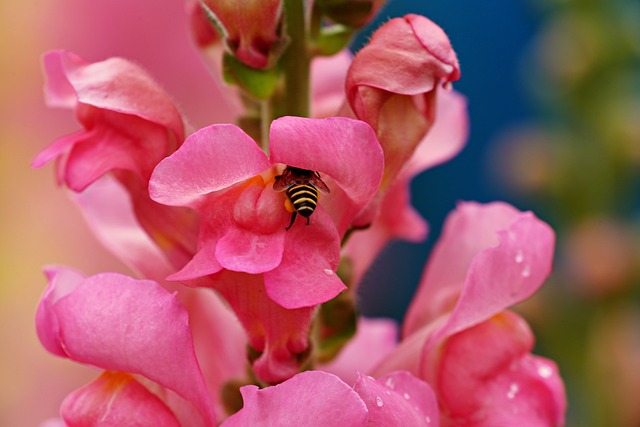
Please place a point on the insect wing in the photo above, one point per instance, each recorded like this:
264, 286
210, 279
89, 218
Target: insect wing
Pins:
319, 183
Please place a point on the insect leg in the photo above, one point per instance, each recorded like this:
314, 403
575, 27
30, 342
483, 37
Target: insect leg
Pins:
293, 218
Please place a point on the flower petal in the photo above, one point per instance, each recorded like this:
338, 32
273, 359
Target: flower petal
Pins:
374, 340
116, 399
309, 398
307, 274
398, 399
344, 149
492, 256
121, 324
211, 159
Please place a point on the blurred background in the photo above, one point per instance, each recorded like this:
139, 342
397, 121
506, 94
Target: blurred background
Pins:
554, 102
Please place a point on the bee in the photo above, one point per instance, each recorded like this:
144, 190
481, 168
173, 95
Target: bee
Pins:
302, 187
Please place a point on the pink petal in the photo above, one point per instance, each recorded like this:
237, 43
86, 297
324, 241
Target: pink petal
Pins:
115, 399
279, 335
307, 274
330, 146
114, 85
398, 399
309, 398
446, 137
519, 389
211, 159
328, 76
106, 206
374, 340
492, 256
118, 323
240, 250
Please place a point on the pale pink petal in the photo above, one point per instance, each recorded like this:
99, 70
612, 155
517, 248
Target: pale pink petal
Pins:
330, 146
307, 275
116, 399
374, 340
240, 250
309, 398
488, 258
328, 76
107, 208
398, 399
211, 159
446, 137
121, 324
203, 263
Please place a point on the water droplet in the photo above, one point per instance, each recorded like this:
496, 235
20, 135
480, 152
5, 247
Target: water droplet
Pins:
328, 272
407, 396
261, 245
379, 401
390, 383
513, 390
519, 256
427, 419
545, 371
526, 271
388, 392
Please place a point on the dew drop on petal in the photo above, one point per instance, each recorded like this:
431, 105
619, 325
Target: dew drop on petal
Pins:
390, 383
328, 272
261, 245
513, 390
388, 392
526, 271
427, 419
519, 256
379, 401
406, 396
545, 371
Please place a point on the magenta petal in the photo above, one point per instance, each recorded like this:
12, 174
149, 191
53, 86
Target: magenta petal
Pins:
398, 399
121, 324
114, 85
116, 399
347, 150
242, 250
307, 275
211, 159
491, 256
62, 281
311, 398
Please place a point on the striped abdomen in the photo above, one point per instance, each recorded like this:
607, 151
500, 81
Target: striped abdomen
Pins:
304, 198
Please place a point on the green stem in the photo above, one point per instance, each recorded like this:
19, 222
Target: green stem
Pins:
293, 100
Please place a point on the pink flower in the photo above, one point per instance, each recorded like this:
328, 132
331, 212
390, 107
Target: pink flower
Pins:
126, 327
252, 30
396, 218
320, 398
393, 81
272, 277
457, 335
129, 125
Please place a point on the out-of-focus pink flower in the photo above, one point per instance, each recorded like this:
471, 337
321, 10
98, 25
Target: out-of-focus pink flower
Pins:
271, 276
124, 326
457, 333
392, 85
252, 30
319, 398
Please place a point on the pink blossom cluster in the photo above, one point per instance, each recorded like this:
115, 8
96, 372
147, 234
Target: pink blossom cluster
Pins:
232, 318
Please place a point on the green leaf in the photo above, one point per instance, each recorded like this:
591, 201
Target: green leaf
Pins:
260, 84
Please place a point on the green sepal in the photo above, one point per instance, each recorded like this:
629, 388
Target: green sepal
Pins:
261, 84
348, 12
335, 326
333, 39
